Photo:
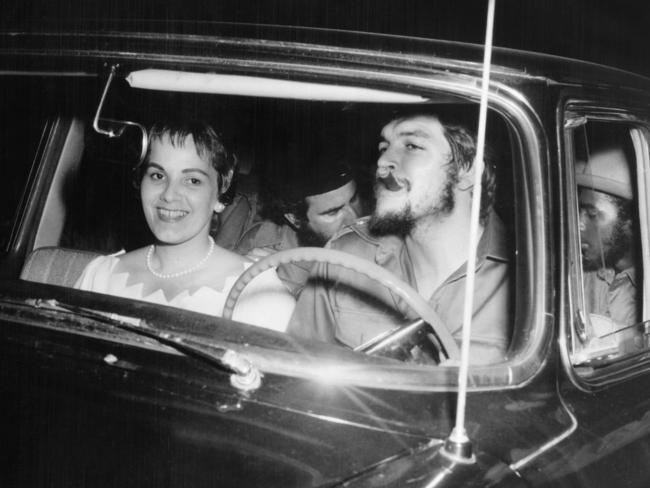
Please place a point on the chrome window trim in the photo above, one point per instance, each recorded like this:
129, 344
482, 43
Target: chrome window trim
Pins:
591, 109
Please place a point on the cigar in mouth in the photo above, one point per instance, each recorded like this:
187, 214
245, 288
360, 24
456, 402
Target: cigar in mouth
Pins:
390, 182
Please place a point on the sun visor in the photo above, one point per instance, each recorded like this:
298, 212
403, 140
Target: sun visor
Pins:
182, 81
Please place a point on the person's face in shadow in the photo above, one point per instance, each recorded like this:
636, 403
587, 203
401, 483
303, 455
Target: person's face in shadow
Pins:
329, 212
605, 238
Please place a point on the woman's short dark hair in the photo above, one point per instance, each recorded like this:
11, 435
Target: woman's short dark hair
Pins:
208, 145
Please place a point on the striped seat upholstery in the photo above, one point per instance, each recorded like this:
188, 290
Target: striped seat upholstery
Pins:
56, 265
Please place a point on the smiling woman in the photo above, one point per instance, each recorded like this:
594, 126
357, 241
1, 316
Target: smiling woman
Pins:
182, 179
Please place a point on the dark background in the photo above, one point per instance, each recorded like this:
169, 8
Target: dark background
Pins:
612, 32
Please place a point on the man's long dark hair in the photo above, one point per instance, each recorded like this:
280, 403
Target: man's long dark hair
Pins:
463, 154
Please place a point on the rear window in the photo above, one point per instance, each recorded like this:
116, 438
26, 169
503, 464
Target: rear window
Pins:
23, 120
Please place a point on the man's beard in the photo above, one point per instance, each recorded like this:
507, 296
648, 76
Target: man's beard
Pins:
308, 237
402, 222
616, 247
393, 223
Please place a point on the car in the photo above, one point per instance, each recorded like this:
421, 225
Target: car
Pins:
107, 391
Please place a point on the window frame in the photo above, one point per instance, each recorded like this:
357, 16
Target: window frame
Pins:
576, 113
528, 150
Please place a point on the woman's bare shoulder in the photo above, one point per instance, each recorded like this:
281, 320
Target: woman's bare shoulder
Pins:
133, 260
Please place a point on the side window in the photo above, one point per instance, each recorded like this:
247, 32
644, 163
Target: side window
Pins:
104, 211
607, 161
22, 127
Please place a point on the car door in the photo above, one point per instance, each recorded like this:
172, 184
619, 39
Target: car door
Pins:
604, 345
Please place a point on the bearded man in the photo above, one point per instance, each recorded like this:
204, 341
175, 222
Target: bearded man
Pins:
307, 213
606, 235
419, 231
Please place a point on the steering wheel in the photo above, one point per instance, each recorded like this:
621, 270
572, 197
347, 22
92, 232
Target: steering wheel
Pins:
362, 266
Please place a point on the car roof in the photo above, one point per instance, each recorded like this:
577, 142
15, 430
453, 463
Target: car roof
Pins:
191, 38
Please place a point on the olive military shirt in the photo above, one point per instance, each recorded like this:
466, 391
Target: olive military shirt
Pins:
342, 306
612, 294
271, 237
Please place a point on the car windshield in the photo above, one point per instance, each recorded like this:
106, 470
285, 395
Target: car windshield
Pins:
312, 164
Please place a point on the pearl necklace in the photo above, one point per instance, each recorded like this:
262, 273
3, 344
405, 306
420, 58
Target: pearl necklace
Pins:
166, 276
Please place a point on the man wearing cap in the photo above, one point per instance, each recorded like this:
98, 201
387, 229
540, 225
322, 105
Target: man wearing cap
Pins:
606, 199
304, 213
419, 231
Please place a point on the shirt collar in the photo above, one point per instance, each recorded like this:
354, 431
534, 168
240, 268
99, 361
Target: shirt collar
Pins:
492, 246
609, 275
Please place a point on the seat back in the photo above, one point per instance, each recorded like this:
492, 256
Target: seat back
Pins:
56, 265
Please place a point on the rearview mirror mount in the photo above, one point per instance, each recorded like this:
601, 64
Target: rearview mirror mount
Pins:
113, 128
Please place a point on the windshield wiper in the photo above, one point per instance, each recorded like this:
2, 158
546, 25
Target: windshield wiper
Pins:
245, 376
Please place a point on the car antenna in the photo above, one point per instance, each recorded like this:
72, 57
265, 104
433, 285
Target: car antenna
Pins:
458, 445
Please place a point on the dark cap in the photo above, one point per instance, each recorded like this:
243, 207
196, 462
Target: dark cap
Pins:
326, 179
321, 179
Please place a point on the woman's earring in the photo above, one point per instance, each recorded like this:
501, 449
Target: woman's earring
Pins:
219, 207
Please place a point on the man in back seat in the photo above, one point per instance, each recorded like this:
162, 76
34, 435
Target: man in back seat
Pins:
306, 212
607, 237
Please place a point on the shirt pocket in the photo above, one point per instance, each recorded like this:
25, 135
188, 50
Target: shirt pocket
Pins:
361, 316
